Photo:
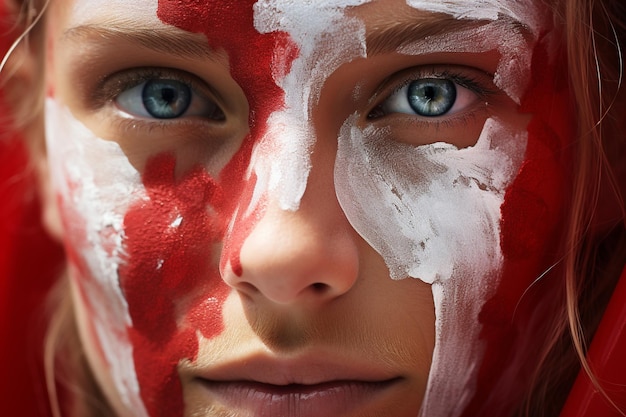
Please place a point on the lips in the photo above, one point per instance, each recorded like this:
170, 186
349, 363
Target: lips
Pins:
304, 387
334, 398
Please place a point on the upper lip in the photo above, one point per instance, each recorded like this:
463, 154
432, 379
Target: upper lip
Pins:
310, 369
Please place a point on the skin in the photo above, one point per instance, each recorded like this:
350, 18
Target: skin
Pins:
167, 289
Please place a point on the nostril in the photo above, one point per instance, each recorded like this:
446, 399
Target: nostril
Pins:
247, 288
320, 287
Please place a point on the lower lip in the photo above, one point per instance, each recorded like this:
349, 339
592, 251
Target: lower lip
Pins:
265, 400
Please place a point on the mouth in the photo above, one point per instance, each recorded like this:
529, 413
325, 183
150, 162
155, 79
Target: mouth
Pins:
313, 385
330, 398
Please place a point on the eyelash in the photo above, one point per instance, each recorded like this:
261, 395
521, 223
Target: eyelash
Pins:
111, 86
459, 76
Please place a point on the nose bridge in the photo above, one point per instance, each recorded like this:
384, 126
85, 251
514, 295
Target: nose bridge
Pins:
308, 255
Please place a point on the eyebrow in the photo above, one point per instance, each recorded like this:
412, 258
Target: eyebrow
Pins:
391, 35
173, 42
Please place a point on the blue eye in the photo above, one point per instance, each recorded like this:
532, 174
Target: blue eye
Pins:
163, 98
166, 99
431, 97
427, 97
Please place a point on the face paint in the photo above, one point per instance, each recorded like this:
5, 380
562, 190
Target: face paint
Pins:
434, 211
484, 10
437, 206
92, 202
147, 243
291, 136
289, 74
532, 213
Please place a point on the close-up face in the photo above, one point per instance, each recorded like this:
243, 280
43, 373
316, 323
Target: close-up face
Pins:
299, 208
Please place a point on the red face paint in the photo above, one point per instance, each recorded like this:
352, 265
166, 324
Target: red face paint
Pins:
532, 218
171, 285
169, 241
230, 27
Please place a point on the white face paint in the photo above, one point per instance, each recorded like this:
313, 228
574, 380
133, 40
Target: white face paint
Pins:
437, 208
282, 158
138, 10
519, 10
94, 203
433, 211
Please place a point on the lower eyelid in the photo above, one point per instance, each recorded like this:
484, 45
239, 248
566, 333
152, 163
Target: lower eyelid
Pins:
477, 113
199, 106
461, 130
186, 129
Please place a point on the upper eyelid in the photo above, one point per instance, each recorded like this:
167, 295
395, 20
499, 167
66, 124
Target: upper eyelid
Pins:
457, 73
123, 80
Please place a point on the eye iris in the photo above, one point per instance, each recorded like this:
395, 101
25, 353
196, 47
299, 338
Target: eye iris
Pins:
166, 99
431, 97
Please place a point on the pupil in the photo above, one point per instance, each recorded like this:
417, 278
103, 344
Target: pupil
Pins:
166, 99
168, 95
429, 93
431, 97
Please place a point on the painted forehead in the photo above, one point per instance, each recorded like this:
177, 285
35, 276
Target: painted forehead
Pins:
526, 13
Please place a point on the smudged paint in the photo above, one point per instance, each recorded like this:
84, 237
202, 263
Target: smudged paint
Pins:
195, 191
522, 11
168, 287
165, 267
428, 189
89, 200
172, 288
230, 27
512, 319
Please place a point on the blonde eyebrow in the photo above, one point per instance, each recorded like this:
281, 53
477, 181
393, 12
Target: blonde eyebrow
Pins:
172, 42
391, 35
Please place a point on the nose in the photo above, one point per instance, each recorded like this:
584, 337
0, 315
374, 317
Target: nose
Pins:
303, 257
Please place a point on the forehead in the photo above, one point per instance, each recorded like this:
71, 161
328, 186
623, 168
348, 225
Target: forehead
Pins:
375, 14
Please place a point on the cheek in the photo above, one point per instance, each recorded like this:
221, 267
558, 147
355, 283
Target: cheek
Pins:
534, 210
92, 203
432, 212
533, 217
170, 278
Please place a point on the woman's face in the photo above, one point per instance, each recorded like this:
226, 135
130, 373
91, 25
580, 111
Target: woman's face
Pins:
243, 188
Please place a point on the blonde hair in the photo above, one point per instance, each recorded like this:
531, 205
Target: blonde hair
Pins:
27, 16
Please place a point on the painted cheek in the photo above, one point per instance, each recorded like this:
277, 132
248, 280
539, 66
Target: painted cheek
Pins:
169, 277
532, 220
229, 26
171, 287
